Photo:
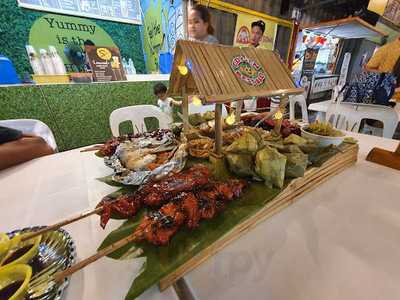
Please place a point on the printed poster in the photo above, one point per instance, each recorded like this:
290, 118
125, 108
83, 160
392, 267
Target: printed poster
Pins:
60, 30
105, 63
162, 27
392, 12
125, 11
310, 58
243, 31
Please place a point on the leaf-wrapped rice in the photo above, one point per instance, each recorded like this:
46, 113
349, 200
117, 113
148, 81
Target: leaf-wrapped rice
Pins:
240, 164
295, 140
246, 144
270, 166
290, 149
196, 119
310, 147
296, 164
209, 115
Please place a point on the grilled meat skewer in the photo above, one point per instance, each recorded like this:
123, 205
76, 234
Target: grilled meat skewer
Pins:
187, 209
155, 194
159, 227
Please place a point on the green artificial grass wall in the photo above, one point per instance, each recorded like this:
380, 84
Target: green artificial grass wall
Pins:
78, 114
16, 22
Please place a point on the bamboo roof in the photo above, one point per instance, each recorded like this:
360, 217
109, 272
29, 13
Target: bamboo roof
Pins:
212, 77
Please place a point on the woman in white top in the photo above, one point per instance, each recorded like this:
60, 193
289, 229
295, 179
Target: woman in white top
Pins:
199, 25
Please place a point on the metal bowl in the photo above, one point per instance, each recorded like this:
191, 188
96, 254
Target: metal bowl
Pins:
56, 253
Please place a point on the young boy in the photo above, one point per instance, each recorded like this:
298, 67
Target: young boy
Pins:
165, 103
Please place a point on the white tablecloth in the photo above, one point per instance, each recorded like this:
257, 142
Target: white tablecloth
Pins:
49, 189
340, 241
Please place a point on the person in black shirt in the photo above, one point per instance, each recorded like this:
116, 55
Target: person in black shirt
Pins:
17, 147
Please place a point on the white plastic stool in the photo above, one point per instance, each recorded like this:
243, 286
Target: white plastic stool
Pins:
136, 115
32, 126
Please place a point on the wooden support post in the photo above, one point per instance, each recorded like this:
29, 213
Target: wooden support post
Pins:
218, 128
238, 112
185, 110
282, 108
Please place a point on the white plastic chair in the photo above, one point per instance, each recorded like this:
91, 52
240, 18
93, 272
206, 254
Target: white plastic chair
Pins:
136, 115
322, 107
300, 100
201, 109
32, 126
348, 116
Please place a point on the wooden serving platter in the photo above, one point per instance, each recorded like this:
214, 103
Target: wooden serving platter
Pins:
296, 188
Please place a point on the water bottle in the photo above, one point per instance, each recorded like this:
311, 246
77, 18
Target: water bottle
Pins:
58, 64
34, 60
47, 62
132, 66
126, 66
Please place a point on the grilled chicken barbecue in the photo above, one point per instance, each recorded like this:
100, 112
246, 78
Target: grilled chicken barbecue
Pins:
158, 227
187, 209
155, 194
126, 205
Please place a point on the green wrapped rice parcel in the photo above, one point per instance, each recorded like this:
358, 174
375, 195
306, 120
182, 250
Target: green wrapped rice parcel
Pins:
240, 164
246, 144
270, 166
296, 164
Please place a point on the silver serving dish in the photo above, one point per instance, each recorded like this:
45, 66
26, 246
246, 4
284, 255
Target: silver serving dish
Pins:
56, 253
128, 177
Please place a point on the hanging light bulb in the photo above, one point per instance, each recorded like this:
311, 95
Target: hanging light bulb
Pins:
278, 115
196, 101
183, 70
230, 120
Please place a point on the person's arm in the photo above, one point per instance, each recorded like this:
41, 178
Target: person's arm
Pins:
175, 102
22, 150
376, 60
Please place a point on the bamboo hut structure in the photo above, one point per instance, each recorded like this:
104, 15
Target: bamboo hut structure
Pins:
220, 74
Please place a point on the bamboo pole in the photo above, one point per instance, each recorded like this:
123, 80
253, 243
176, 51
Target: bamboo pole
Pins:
185, 110
238, 112
218, 128
282, 106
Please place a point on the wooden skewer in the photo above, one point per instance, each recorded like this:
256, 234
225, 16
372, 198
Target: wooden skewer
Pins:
68, 272
82, 215
62, 223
